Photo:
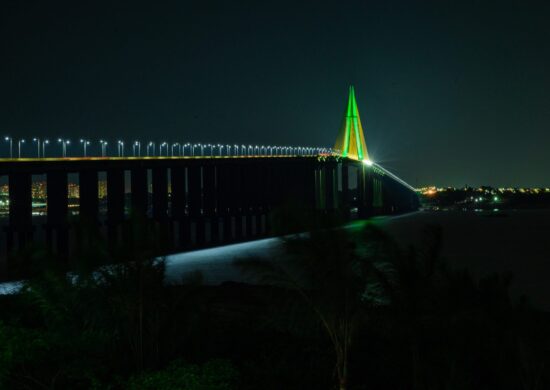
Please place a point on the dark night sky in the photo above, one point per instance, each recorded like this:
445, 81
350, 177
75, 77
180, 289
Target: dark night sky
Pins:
449, 92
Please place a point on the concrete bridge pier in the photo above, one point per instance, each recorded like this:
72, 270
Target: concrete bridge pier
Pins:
237, 200
263, 198
139, 195
57, 229
89, 218
195, 202
210, 214
278, 185
89, 203
331, 185
179, 203
320, 193
308, 184
369, 198
223, 191
19, 231
365, 191
377, 195
160, 204
345, 200
115, 206
249, 183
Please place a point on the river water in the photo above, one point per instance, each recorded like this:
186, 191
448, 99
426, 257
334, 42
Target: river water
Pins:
515, 241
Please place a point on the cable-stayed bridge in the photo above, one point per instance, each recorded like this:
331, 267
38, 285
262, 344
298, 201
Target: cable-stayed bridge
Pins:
196, 195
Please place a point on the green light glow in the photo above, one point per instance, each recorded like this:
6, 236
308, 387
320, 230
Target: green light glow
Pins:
349, 114
357, 126
352, 145
346, 140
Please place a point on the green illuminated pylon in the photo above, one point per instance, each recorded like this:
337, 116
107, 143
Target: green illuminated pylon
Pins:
351, 141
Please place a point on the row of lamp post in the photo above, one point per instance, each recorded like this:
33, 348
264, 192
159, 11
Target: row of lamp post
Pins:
176, 149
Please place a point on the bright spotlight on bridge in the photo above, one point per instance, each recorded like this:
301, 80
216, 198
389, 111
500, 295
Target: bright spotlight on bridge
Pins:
367, 162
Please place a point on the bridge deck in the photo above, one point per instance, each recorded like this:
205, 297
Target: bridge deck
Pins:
10, 165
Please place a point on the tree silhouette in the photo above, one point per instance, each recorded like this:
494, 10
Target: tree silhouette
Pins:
334, 277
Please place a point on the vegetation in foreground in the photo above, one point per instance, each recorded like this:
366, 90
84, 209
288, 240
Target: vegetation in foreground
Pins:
347, 310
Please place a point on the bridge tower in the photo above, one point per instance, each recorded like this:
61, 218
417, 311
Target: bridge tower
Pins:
350, 142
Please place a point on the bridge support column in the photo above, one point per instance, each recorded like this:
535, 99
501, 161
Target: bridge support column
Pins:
345, 199
138, 183
237, 199
369, 199
89, 206
160, 194
361, 194
179, 203
57, 231
330, 186
269, 178
377, 195
210, 201
365, 191
247, 196
160, 203
223, 187
89, 230
262, 198
195, 201
115, 205
138, 205
308, 184
20, 229
320, 185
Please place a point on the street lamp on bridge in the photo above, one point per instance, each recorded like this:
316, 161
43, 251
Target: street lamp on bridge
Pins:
44, 143
10, 140
19, 142
160, 148
152, 145
185, 146
85, 144
174, 145
103, 147
120, 145
200, 146
37, 140
64, 143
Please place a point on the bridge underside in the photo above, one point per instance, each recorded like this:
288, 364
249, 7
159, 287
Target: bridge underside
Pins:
191, 203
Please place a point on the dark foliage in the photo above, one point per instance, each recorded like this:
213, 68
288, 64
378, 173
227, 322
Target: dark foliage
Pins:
401, 316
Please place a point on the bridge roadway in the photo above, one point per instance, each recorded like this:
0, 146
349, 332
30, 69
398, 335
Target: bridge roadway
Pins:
193, 202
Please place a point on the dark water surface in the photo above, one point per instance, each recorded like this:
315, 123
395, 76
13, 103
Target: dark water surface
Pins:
516, 241
484, 243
